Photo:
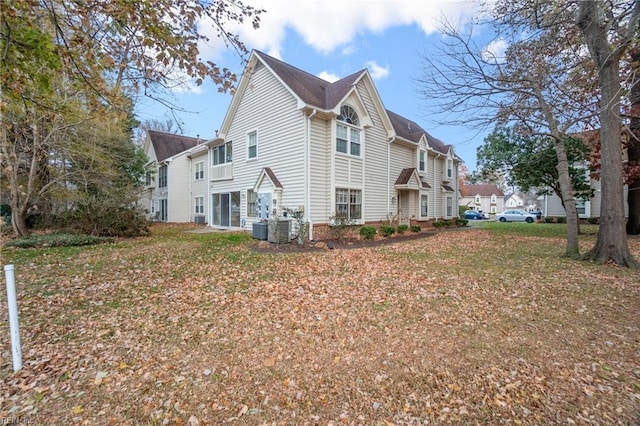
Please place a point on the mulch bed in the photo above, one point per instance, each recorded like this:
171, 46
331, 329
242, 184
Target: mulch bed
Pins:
334, 244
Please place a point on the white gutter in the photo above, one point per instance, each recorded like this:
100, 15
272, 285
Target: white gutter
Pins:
434, 184
307, 160
389, 175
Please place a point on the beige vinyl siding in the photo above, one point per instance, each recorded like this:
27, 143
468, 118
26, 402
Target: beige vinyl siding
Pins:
376, 181
179, 199
321, 148
272, 112
438, 203
199, 188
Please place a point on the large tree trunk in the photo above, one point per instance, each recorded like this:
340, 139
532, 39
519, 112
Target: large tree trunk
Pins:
612, 244
568, 201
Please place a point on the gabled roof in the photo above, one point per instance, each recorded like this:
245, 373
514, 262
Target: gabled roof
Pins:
167, 145
406, 175
310, 89
411, 131
484, 190
322, 94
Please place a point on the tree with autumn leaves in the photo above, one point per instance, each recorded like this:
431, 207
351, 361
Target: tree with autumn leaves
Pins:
69, 74
560, 75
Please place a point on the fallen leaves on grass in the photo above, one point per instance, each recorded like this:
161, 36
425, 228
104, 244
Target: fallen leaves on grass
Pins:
197, 329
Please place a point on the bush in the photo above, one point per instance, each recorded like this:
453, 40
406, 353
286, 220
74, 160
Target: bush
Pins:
439, 224
593, 220
415, 228
548, 219
387, 230
461, 222
402, 228
368, 232
340, 224
561, 219
56, 240
107, 215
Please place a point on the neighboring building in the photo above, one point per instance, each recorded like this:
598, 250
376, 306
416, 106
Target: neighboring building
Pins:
513, 201
487, 198
292, 140
177, 169
551, 205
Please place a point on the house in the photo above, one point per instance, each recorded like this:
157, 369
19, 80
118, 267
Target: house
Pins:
291, 140
513, 201
551, 204
176, 183
487, 198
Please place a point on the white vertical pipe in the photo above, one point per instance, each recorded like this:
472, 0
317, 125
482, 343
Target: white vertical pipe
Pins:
13, 317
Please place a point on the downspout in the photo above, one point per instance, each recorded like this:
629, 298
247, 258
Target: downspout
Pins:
307, 160
435, 191
389, 176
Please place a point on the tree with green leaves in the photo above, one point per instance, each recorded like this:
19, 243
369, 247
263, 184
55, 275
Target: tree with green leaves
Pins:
530, 162
549, 83
69, 71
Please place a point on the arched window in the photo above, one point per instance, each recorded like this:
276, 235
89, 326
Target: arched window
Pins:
348, 134
349, 115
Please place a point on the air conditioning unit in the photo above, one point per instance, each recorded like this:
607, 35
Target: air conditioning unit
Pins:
200, 220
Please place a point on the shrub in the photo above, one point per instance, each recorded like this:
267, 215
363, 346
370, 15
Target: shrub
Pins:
561, 219
402, 228
415, 228
548, 219
340, 224
439, 224
387, 230
461, 222
56, 240
593, 220
107, 215
368, 232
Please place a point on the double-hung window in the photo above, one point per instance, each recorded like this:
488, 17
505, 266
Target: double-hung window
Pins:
162, 177
424, 205
199, 170
348, 134
199, 205
251, 203
252, 145
223, 154
349, 203
422, 161
449, 169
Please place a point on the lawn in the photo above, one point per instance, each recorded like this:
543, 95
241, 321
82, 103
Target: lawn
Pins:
485, 325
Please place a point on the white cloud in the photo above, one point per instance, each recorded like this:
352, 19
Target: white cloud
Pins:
495, 51
327, 25
328, 76
377, 72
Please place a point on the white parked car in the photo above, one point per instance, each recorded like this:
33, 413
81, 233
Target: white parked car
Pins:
516, 216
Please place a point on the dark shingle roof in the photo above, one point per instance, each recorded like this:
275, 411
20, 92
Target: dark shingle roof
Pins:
411, 131
167, 145
311, 89
484, 190
320, 93
405, 177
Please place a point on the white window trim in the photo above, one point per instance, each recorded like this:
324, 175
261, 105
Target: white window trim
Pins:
355, 221
253, 132
199, 164
424, 195
196, 205
422, 151
349, 127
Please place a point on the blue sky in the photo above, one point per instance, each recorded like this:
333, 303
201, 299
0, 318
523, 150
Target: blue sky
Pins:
332, 39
